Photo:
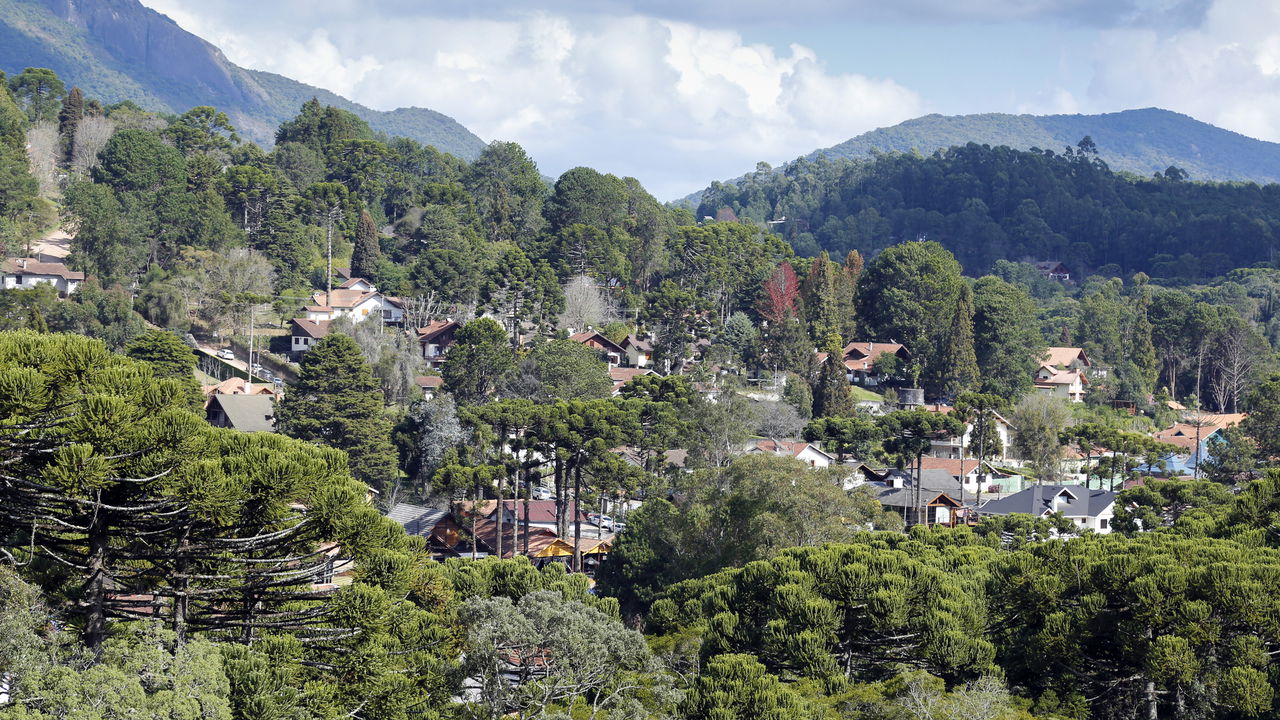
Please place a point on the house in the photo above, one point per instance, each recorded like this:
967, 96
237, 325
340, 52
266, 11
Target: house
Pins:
639, 352
1069, 385
929, 506
431, 385
304, 332
613, 352
27, 273
860, 358
1053, 270
542, 513
1084, 507
347, 302
357, 283
247, 413
808, 453
623, 375
435, 340
236, 386
956, 446
1192, 437
971, 476
445, 537
1066, 358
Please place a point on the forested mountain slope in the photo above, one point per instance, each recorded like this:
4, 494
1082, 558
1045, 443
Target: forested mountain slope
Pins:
1142, 141
118, 50
990, 203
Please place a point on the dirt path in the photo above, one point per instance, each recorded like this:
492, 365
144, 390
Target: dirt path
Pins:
52, 247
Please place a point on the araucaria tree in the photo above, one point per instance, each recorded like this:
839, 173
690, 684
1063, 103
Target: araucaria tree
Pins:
338, 402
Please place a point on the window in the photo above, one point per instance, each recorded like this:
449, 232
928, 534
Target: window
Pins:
1103, 523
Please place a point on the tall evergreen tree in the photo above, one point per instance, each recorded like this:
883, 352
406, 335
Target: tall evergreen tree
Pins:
959, 361
367, 254
69, 119
338, 402
1007, 343
820, 294
831, 396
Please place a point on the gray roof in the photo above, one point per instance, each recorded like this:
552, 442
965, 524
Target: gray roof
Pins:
906, 496
416, 519
249, 413
1072, 501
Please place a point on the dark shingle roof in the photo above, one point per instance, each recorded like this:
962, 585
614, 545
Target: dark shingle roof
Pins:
1071, 500
416, 519
248, 413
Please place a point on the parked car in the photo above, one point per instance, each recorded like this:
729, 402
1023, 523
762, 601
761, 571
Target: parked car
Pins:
603, 521
619, 527
226, 354
543, 493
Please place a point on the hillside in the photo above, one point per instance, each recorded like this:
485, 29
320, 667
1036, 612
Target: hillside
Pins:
1139, 141
119, 50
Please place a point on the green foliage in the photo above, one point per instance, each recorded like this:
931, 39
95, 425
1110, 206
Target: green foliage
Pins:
1006, 340
39, 91
337, 401
479, 361
750, 510
566, 369
562, 653
909, 293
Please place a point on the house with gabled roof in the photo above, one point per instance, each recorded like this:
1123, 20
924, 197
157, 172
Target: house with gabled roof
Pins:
1084, 507
435, 340
613, 352
26, 273
860, 358
639, 352
304, 333
623, 375
247, 413
806, 452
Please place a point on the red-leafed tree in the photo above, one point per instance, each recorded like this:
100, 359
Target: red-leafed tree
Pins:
780, 293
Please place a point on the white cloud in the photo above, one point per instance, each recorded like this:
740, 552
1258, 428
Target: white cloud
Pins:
674, 104
1225, 72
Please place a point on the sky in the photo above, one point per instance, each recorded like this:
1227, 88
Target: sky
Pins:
678, 93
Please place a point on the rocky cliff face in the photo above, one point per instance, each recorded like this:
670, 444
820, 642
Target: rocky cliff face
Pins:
185, 69
121, 50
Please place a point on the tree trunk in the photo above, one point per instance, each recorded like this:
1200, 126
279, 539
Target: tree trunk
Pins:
577, 517
95, 627
501, 511
562, 500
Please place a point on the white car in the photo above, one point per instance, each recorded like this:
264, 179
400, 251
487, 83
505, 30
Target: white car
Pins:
543, 493
603, 521
226, 354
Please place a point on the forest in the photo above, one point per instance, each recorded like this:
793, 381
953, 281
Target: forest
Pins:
153, 565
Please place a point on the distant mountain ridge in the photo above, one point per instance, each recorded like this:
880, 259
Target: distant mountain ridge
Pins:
121, 50
1140, 141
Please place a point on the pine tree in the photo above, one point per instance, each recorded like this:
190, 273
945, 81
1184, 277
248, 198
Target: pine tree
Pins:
831, 397
338, 402
960, 364
1142, 351
69, 119
367, 254
820, 294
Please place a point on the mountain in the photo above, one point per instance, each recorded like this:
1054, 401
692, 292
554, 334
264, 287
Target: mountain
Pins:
119, 50
1140, 141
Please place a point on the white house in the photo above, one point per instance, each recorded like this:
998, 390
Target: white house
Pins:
27, 273
639, 352
346, 302
955, 447
808, 453
1085, 508
1068, 385
304, 333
